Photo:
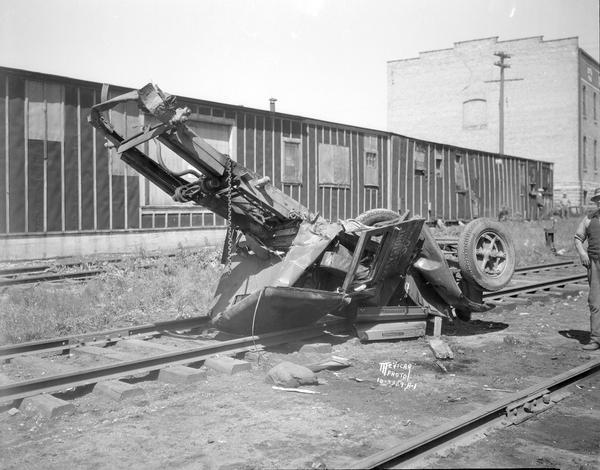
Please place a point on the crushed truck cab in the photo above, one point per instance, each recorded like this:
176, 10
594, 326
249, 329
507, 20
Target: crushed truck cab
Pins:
288, 267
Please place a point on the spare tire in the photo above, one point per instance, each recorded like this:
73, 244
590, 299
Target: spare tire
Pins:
373, 217
486, 254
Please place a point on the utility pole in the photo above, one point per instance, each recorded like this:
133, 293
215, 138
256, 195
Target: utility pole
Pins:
500, 63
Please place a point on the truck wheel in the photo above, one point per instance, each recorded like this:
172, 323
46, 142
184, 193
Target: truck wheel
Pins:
373, 217
486, 254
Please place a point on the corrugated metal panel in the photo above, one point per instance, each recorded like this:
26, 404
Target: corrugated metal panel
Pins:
60, 176
3, 153
17, 188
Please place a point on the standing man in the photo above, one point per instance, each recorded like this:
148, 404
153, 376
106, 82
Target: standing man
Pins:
589, 229
564, 206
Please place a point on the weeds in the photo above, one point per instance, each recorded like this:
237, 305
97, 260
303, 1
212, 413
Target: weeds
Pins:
136, 291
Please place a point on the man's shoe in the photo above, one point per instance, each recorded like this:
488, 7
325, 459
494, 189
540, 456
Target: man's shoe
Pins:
591, 346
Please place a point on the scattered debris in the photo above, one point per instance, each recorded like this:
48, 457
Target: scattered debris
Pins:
453, 399
490, 389
288, 374
512, 340
323, 348
356, 379
13, 411
335, 362
440, 349
524, 313
297, 390
441, 366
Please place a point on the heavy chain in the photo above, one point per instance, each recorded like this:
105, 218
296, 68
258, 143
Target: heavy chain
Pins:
229, 222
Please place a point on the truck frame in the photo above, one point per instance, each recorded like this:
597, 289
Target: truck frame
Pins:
288, 267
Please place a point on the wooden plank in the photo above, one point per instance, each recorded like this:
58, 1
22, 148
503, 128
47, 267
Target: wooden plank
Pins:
410, 174
3, 156
259, 147
16, 155
311, 171
54, 183
250, 142
390, 313
389, 330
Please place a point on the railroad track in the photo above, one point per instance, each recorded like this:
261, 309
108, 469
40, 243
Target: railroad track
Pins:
513, 409
194, 349
60, 271
46, 273
19, 275
196, 353
188, 352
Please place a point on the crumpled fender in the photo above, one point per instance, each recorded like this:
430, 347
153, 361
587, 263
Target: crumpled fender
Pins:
432, 266
310, 242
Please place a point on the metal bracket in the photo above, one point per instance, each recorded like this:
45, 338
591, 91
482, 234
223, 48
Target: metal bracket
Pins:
524, 409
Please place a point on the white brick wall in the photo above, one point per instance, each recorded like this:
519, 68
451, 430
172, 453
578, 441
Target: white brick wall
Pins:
426, 95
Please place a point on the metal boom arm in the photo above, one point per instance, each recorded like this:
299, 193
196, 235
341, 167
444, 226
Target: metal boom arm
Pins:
248, 200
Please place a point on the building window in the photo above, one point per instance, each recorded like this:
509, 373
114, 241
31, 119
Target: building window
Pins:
584, 153
583, 100
475, 114
439, 163
291, 168
419, 159
334, 165
595, 155
371, 168
459, 173
594, 106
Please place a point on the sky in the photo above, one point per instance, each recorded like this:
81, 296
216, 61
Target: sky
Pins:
324, 59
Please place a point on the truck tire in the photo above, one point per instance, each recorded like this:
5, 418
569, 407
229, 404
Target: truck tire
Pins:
373, 217
486, 254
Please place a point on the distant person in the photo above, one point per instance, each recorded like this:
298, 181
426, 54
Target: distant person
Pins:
564, 206
589, 229
503, 214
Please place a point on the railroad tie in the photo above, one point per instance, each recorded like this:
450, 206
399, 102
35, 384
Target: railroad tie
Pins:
117, 390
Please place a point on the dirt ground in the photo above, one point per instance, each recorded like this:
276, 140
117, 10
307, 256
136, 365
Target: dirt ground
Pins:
240, 422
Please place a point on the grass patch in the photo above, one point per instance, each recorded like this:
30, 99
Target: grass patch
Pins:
136, 291
131, 293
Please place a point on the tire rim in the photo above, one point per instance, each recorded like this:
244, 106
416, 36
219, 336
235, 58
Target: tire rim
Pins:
490, 254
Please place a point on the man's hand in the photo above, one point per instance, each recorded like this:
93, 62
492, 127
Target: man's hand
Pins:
585, 259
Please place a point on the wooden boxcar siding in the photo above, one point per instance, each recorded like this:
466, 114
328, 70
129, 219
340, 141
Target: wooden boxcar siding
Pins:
64, 185
260, 140
77, 184
491, 182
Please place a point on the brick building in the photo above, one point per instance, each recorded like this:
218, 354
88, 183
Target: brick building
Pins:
551, 104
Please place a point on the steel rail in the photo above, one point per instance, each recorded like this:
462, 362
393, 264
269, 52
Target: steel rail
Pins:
533, 287
19, 390
107, 336
8, 280
541, 267
23, 270
442, 435
51, 277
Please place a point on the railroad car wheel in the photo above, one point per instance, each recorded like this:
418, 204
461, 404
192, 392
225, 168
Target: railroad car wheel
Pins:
486, 254
377, 217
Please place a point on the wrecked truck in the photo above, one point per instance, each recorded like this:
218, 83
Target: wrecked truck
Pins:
287, 267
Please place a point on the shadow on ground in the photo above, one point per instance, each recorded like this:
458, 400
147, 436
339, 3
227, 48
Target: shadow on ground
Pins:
473, 327
582, 336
